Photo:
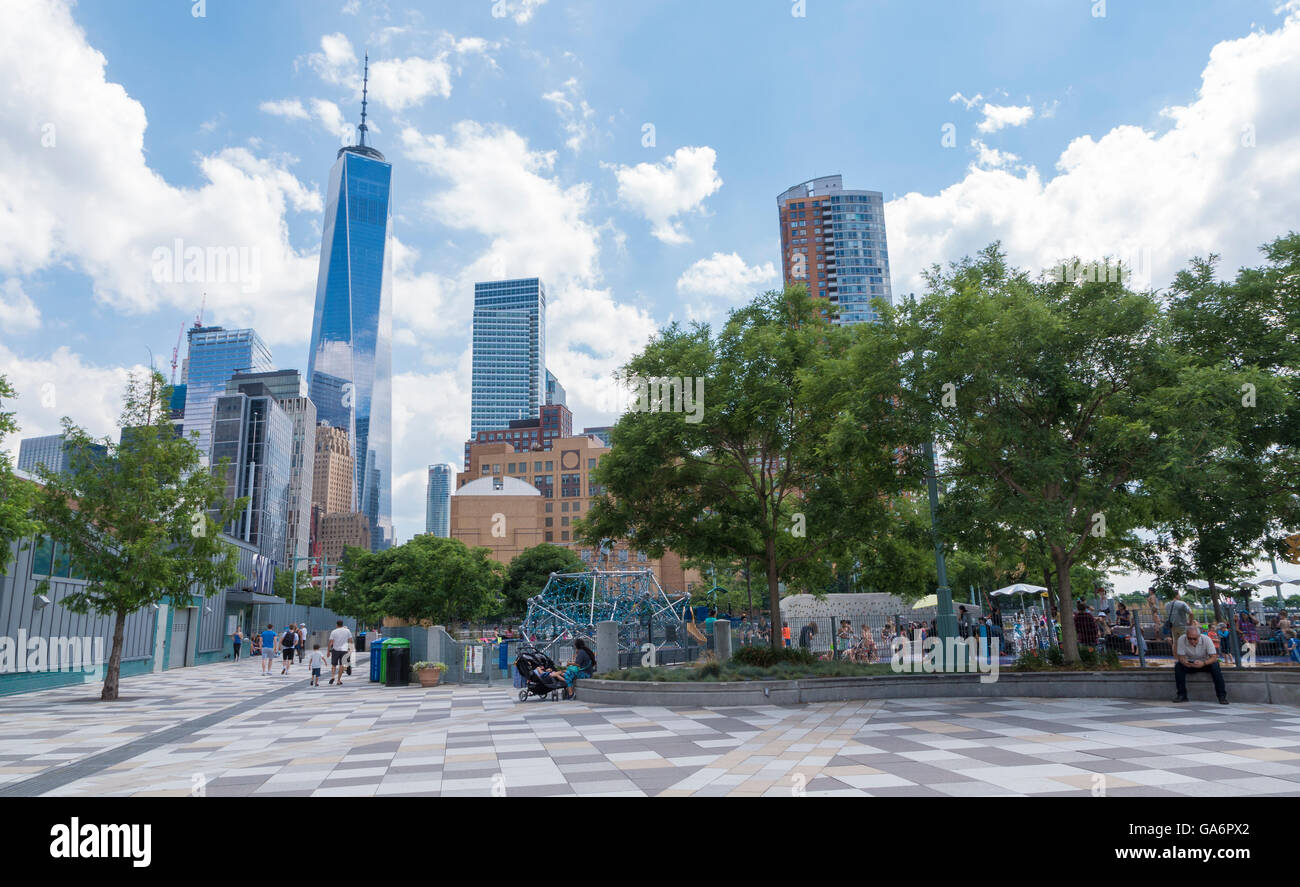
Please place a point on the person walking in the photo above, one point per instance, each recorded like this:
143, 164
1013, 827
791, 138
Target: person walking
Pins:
316, 663
288, 643
302, 641
1178, 615
268, 648
340, 647
237, 639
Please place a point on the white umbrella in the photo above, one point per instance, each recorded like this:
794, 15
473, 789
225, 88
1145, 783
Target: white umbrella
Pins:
1019, 588
1277, 580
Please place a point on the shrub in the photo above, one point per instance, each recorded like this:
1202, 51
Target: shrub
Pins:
766, 657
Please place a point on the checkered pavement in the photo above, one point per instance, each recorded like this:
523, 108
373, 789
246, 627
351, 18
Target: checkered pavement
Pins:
362, 740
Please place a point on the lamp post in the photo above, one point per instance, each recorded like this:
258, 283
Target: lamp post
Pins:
945, 620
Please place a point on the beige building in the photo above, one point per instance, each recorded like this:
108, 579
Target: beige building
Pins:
511, 500
331, 489
340, 530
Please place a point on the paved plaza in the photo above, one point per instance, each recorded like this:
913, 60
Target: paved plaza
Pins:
224, 730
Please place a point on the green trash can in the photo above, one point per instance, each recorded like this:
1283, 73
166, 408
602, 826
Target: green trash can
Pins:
396, 669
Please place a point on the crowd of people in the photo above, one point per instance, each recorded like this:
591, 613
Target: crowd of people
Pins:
290, 643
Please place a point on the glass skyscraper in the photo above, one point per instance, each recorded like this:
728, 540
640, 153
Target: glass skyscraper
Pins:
437, 509
255, 436
508, 381
216, 354
350, 365
833, 241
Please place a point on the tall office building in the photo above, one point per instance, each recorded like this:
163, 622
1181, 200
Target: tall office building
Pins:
350, 365
50, 451
215, 355
290, 391
437, 508
508, 379
332, 475
255, 436
833, 241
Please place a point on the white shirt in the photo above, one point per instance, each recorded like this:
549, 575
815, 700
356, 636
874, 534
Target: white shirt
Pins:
1202, 649
317, 659
340, 638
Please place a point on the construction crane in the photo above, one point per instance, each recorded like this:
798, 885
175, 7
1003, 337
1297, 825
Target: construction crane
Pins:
198, 320
176, 352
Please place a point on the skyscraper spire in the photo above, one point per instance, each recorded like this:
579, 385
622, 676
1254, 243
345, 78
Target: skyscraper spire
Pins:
365, 82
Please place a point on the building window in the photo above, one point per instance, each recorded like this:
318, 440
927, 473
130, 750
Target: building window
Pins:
550, 537
537, 466
550, 521
564, 506
549, 506
564, 535
591, 463
564, 521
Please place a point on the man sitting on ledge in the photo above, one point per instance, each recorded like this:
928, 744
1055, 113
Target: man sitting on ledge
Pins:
1195, 653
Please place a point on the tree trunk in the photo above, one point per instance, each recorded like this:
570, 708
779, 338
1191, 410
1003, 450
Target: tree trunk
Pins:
774, 596
1065, 606
114, 670
1214, 598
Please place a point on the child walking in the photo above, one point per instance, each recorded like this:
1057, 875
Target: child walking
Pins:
317, 663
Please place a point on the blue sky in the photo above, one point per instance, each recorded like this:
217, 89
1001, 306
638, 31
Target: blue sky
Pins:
1157, 131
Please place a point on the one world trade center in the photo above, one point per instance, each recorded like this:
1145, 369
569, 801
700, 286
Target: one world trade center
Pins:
350, 366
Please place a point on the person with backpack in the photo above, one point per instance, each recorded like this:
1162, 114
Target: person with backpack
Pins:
288, 643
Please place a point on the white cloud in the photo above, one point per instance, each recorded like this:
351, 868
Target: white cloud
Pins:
337, 62
62, 385
290, 109
521, 11
1220, 179
18, 313
997, 117
575, 113
675, 186
73, 197
401, 83
352, 7
547, 233
726, 276
968, 102
991, 158
330, 117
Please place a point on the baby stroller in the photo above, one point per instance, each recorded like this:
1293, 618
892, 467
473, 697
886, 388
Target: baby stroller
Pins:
531, 658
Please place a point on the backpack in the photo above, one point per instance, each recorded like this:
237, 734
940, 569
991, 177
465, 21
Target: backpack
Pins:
290, 639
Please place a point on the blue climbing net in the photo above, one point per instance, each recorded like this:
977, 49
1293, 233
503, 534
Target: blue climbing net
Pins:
572, 604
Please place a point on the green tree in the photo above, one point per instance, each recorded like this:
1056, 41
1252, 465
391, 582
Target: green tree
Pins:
529, 572
1052, 401
358, 591
138, 520
16, 495
1217, 516
283, 585
427, 579
789, 458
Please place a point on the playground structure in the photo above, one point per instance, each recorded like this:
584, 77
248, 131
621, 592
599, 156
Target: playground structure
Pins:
572, 604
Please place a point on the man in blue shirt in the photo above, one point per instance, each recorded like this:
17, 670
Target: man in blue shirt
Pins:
268, 648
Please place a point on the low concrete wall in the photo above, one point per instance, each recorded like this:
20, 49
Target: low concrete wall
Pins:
1253, 685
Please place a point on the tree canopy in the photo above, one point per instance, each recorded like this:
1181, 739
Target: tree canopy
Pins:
529, 572
429, 579
141, 518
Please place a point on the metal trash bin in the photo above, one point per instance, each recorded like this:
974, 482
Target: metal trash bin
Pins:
377, 660
361, 642
397, 662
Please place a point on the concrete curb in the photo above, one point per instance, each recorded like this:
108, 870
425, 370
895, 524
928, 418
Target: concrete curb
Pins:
1254, 685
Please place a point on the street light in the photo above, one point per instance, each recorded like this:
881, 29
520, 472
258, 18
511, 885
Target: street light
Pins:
945, 622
